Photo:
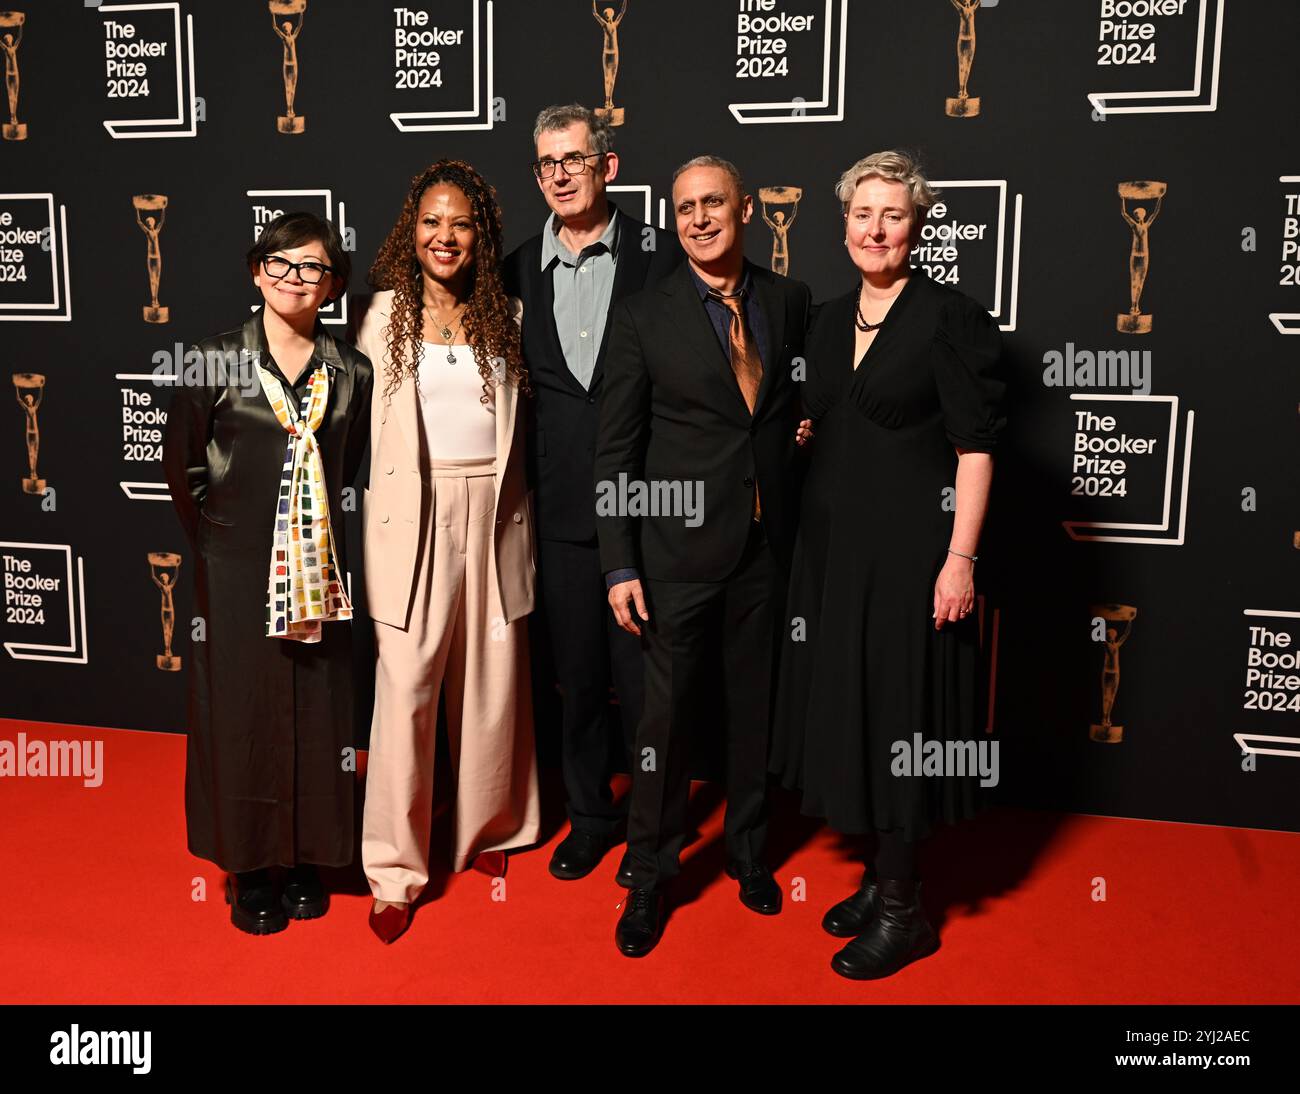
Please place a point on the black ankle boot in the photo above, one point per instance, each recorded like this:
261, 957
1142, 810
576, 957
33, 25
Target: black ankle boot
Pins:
254, 903
898, 935
304, 896
851, 916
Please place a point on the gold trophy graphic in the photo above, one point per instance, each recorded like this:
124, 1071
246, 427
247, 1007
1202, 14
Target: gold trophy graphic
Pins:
165, 568
289, 122
964, 106
780, 221
1107, 732
1139, 256
149, 210
609, 60
11, 37
31, 387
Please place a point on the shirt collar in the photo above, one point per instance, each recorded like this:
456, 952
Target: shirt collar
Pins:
553, 250
703, 289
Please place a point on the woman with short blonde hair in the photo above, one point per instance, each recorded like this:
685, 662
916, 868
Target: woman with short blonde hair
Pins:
904, 390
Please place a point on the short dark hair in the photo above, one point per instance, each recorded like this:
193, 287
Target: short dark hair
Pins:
561, 117
725, 166
293, 230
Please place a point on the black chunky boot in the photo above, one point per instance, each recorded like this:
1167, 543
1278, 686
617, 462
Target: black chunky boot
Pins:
899, 935
254, 903
851, 916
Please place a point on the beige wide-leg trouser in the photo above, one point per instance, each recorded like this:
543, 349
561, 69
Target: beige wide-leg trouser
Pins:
458, 639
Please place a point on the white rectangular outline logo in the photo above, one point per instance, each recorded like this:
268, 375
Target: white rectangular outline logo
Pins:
1286, 322
126, 125
1101, 99
788, 114
426, 121
1071, 525
57, 246
1242, 738
1001, 186
22, 651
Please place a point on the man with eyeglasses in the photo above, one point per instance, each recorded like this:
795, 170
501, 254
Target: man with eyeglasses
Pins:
588, 256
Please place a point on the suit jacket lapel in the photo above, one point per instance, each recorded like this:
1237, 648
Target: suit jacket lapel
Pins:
773, 303
408, 416
556, 354
629, 275
693, 326
506, 398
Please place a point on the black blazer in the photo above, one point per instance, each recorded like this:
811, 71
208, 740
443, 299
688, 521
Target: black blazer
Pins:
671, 410
561, 415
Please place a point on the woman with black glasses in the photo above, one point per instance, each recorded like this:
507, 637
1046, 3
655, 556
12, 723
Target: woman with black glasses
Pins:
257, 457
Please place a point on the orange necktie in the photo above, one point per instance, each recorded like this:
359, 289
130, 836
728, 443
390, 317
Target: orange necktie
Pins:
746, 364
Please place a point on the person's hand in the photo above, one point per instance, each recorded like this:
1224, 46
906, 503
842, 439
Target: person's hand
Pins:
954, 591
804, 433
620, 596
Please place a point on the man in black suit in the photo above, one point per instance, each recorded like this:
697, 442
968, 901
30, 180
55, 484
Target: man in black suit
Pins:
588, 256
697, 484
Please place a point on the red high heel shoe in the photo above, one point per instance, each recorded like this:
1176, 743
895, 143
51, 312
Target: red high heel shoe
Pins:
492, 863
391, 923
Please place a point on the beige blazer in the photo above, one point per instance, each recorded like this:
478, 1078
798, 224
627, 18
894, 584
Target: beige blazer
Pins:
399, 497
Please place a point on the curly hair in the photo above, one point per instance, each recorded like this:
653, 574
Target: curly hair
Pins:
489, 329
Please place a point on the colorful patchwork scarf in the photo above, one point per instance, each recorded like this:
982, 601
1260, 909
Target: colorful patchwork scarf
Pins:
304, 589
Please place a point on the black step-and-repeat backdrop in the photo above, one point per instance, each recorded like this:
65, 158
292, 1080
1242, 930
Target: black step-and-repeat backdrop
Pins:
1121, 189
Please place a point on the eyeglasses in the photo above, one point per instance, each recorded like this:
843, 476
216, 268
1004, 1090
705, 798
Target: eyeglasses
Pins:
310, 272
573, 164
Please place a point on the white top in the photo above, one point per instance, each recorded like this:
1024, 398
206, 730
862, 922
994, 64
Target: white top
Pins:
457, 426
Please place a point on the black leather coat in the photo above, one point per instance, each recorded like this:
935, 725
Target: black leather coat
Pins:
269, 718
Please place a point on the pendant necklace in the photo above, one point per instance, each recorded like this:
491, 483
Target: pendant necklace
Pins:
447, 333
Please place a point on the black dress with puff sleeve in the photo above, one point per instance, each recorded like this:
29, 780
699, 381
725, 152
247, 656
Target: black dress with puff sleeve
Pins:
867, 668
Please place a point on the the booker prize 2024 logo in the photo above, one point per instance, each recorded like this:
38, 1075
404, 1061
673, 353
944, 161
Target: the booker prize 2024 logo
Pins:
148, 73
443, 58
1286, 320
44, 603
971, 240
1271, 699
1129, 469
790, 60
34, 282
1163, 54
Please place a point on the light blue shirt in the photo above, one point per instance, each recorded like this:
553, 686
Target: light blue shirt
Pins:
584, 284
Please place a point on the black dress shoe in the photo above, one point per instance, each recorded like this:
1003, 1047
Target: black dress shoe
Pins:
304, 897
578, 854
851, 916
254, 904
642, 922
899, 935
759, 891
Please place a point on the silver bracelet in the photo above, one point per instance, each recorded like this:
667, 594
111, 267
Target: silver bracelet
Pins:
973, 558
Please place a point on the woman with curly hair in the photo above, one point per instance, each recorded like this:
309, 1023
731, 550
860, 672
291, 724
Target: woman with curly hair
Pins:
448, 543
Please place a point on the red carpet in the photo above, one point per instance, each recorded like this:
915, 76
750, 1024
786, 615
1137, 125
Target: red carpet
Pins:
98, 909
